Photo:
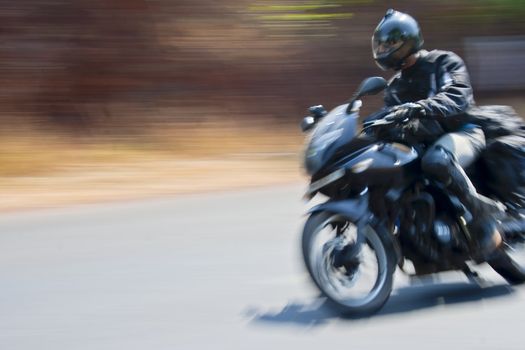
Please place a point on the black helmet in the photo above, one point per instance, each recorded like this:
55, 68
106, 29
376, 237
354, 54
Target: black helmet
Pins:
396, 37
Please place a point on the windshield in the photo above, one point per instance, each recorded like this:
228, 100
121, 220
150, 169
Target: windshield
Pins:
336, 128
332, 121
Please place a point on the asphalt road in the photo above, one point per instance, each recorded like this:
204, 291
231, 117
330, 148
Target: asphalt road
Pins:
219, 271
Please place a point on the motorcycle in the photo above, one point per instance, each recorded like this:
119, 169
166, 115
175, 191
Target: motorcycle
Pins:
382, 213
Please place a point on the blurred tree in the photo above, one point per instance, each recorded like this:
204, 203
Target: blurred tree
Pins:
65, 57
70, 62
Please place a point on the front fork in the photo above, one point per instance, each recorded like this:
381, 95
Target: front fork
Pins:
356, 210
347, 254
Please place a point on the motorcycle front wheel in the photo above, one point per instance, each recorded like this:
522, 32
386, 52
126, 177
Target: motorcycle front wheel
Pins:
360, 285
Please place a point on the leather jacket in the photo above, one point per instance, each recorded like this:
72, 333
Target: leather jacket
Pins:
439, 82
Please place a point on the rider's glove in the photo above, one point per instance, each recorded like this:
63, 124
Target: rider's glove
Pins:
409, 111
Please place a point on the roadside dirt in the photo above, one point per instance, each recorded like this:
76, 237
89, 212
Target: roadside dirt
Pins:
154, 178
44, 173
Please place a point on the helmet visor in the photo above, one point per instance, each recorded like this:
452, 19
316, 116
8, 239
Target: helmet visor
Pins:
385, 47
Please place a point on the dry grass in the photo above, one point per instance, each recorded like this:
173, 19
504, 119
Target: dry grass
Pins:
41, 171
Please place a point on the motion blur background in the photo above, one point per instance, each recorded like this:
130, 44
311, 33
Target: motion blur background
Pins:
126, 98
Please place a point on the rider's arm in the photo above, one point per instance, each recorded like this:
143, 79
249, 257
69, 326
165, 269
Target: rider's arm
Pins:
390, 98
454, 92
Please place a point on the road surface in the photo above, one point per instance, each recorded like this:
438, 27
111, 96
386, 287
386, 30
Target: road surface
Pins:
218, 271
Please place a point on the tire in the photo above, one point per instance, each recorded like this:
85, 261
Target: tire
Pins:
510, 262
333, 281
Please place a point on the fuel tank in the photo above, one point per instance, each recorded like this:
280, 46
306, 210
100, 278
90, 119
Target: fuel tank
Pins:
380, 164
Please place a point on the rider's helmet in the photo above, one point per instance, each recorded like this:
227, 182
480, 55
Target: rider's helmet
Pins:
396, 37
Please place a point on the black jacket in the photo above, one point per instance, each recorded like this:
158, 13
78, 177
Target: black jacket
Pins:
439, 81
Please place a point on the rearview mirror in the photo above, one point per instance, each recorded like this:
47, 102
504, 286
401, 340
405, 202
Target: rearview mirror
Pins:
371, 86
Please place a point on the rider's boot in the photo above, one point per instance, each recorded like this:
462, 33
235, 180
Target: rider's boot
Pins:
482, 224
443, 166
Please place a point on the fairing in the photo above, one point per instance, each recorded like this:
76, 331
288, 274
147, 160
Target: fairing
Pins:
334, 130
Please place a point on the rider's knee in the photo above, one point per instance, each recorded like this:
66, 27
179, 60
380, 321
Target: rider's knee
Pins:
436, 164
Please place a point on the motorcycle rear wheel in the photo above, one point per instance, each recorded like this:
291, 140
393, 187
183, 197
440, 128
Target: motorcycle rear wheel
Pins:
354, 291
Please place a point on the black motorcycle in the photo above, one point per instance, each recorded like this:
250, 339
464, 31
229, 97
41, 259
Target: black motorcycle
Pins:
382, 212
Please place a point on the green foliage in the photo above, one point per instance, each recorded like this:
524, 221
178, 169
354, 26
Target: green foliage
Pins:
306, 11
482, 11
306, 16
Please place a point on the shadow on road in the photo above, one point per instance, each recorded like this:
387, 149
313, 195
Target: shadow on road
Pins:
403, 300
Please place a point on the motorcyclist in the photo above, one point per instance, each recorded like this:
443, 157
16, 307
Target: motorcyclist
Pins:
433, 88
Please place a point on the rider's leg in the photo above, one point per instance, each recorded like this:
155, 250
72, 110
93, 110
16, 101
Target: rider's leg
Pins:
444, 161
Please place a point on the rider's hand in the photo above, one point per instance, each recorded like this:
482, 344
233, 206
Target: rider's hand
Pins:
408, 111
